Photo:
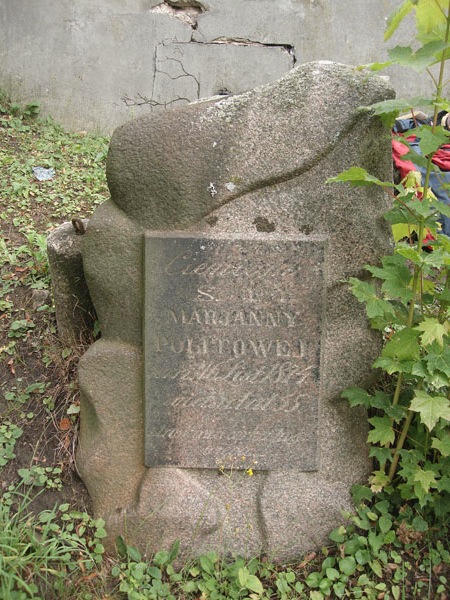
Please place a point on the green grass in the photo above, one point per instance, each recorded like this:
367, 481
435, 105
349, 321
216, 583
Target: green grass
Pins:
50, 546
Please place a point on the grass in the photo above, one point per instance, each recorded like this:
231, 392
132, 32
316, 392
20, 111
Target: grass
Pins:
50, 544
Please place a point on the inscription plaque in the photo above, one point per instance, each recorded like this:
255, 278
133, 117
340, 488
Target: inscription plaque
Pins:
232, 336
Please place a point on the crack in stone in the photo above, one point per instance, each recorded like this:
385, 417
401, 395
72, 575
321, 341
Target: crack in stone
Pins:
139, 99
184, 73
187, 4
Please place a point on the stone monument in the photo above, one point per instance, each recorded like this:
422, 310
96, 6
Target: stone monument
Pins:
211, 408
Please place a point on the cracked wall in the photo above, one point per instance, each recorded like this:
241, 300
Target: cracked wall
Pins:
95, 65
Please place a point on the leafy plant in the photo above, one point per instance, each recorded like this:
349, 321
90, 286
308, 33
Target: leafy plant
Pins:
375, 553
139, 579
409, 299
47, 556
37, 476
9, 434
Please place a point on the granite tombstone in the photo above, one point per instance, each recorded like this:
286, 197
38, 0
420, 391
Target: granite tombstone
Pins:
211, 408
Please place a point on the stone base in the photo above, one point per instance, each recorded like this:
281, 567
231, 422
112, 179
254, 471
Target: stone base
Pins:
282, 514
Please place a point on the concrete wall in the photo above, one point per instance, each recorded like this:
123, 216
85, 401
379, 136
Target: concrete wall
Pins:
93, 64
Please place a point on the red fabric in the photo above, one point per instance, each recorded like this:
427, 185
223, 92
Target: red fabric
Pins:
398, 150
442, 157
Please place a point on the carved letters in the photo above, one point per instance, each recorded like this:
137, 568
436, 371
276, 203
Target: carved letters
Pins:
232, 350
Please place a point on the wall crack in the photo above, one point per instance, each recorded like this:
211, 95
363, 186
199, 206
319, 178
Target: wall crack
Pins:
289, 48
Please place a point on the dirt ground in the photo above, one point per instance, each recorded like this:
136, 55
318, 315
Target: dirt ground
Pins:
49, 435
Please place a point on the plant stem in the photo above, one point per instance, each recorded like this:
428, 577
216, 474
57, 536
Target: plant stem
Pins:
446, 292
416, 283
400, 443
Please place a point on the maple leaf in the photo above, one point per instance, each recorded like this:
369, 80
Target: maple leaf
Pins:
432, 331
442, 445
430, 408
426, 479
382, 432
403, 345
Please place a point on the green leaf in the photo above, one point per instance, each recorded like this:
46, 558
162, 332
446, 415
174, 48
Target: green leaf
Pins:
174, 551
426, 479
357, 397
360, 492
339, 589
403, 345
381, 454
401, 231
133, 553
410, 253
420, 524
377, 66
243, 574
313, 580
362, 557
385, 523
378, 480
430, 408
376, 568
206, 564
154, 572
391, 365
396, 276
383, 507
376, 541
161, 558
382, 432
338, 535
248, 581
358, 176
366, 293
442, 445
431, 140
254, 584
388, 108
432, 331
332, 574
396, 17
418, 60
189, 587
414, 156
347, 565
430, 19
438, 359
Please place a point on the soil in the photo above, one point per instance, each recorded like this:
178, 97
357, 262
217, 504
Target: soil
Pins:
49, 436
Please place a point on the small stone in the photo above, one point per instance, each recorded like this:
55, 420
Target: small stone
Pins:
40, 298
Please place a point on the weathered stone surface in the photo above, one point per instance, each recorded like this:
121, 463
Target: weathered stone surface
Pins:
235, 174
250, 141
75, 313
233, 328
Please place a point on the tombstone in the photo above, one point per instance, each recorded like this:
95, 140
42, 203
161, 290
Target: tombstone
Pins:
211, 409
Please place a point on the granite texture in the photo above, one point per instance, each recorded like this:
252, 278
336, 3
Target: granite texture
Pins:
75, 314
253, 168
232, 333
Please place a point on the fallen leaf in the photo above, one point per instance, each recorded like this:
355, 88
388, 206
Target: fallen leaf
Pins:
65, 424
308, 558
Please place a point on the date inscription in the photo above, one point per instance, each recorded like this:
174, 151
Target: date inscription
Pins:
232, 347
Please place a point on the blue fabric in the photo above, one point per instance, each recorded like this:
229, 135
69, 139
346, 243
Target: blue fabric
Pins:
437, 180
